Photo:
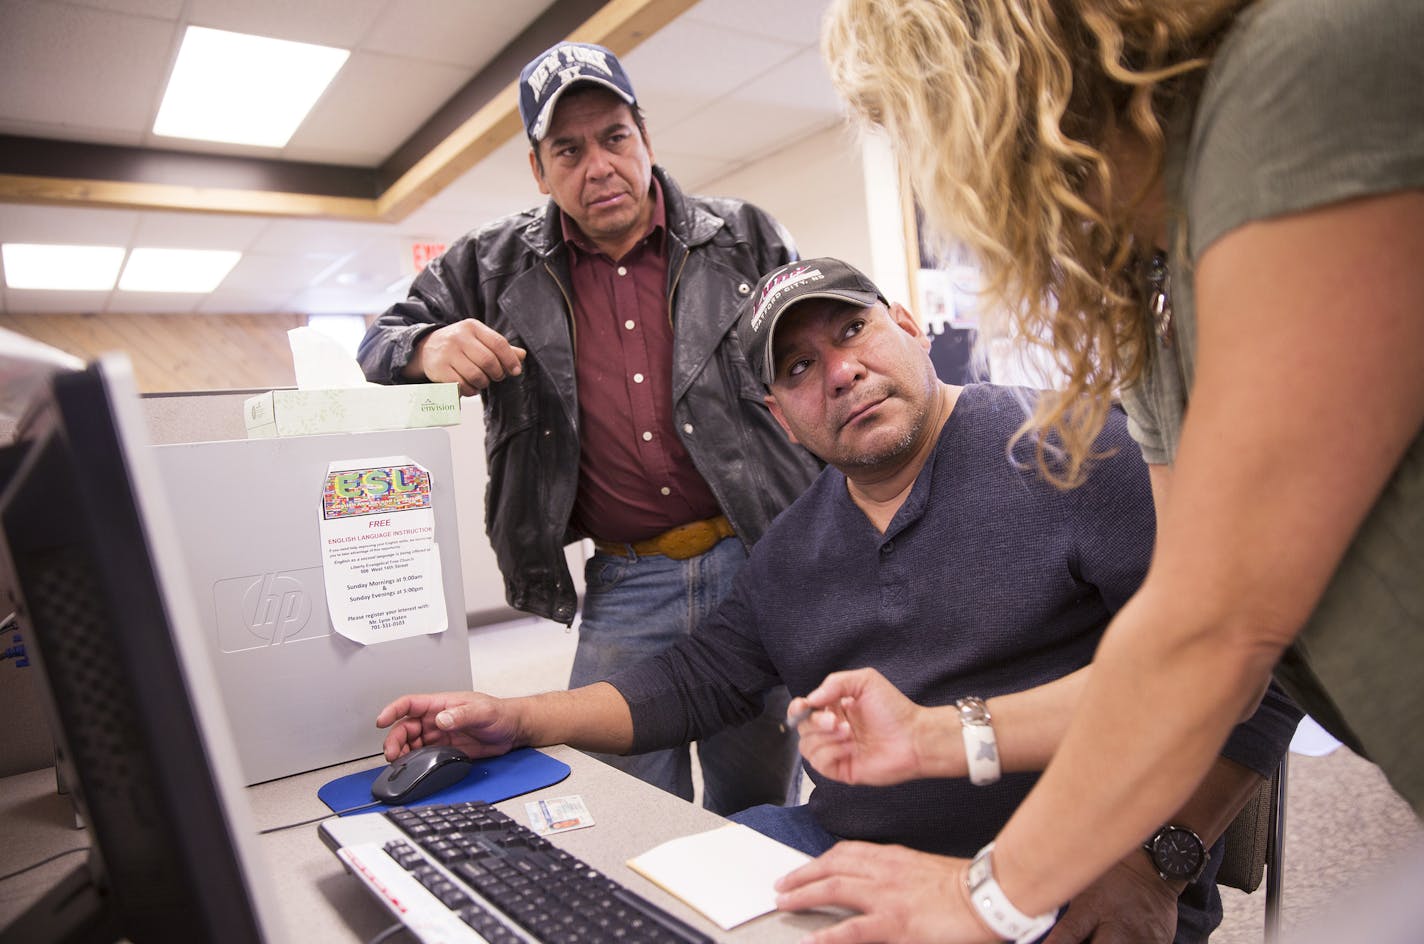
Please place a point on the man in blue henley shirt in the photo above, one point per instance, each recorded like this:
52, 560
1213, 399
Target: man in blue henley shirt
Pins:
923, 551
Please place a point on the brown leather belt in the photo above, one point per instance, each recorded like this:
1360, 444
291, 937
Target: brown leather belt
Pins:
680, 543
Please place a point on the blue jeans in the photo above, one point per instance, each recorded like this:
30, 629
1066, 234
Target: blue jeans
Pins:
793, 826
634, 608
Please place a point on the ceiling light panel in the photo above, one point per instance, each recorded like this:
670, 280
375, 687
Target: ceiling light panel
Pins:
243, 89
197, 271
61, 268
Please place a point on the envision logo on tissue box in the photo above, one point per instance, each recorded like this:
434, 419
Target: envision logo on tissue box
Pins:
351, 409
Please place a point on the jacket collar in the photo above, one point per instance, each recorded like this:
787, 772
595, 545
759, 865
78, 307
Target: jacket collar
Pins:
688, 222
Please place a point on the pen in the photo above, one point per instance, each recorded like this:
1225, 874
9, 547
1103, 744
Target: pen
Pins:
794, 720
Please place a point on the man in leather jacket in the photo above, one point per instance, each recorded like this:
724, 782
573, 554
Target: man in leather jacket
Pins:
618, 404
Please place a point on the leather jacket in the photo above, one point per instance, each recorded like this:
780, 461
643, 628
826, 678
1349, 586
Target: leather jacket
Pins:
513, 274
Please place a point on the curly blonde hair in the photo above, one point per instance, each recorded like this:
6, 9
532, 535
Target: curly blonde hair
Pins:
1002, 114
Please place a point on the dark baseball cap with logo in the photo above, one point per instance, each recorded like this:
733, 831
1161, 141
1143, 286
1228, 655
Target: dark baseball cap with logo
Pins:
787, 285
559, 68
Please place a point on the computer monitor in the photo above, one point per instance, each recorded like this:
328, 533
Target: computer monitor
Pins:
97, 583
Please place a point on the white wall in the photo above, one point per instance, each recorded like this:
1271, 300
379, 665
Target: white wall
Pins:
815, 189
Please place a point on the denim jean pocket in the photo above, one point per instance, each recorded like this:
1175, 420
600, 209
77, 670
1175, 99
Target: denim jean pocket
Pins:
603, 572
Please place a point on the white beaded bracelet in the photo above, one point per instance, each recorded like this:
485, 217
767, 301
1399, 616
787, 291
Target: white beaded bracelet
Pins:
981, 749
994, 906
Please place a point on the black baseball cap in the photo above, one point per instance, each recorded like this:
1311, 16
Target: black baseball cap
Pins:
559, 68
788, 285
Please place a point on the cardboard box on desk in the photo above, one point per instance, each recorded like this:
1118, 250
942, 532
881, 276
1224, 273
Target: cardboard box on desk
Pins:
351, 409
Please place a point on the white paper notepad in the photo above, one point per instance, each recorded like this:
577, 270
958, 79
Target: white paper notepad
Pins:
727, 873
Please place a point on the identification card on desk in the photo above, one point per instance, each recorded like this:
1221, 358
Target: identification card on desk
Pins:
558, 815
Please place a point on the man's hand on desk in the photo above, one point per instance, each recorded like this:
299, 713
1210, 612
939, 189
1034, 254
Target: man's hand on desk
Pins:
1128, 905
479, 725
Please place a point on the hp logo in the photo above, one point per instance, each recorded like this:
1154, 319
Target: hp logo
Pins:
267, 609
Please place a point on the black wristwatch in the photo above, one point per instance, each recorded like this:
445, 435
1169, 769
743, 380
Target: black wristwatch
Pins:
1177, 853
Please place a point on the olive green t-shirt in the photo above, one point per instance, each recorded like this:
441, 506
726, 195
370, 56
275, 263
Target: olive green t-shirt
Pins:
1311, 102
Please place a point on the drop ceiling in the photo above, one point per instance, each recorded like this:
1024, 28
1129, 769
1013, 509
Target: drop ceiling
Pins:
416, 141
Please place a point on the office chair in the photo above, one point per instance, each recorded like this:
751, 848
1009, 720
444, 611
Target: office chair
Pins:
1254, 844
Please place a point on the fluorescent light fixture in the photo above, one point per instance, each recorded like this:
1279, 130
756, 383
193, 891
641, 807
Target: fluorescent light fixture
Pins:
243, 89
195, 271
63, 268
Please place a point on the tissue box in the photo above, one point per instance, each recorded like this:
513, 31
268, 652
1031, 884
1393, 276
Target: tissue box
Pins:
351, 409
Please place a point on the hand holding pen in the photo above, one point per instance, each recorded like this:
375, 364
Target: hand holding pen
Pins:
857, 728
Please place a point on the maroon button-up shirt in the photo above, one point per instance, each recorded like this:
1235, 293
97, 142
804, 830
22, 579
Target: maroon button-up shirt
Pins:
635, 478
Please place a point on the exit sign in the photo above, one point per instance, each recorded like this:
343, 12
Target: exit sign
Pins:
422, 253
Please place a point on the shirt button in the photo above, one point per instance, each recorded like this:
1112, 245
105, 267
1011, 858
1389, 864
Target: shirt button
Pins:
687, 428
622, 270
744, 289
628, 324
637, 378
647, 436
887, 547
665, 490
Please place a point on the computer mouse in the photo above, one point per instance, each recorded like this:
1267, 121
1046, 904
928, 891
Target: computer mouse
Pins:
423, 771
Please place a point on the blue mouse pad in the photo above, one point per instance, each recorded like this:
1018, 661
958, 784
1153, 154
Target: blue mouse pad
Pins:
491, 780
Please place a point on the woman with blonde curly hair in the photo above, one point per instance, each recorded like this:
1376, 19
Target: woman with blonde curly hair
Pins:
1214, 211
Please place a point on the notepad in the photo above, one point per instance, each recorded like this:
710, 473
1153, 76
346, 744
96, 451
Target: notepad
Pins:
727, 873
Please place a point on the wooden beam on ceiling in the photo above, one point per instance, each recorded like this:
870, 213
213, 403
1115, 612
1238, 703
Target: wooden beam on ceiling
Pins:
619, 24
125, 195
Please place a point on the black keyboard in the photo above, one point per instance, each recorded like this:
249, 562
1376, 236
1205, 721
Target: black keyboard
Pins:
551, 895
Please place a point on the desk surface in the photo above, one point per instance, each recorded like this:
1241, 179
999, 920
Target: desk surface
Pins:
320, 902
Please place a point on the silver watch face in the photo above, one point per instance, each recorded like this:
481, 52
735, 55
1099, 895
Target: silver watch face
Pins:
1178, 853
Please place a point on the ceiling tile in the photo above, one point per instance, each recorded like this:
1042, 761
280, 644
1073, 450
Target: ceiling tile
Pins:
800, 82
264, 282
153, 303
335, 300
691, 171
74, 66
375, 102
132, 137
724, 59
190, 231
797, 22
159, 9
24, 223
316, 237
326, 22
33, 301
248, 303
758, 132
438, 221
497, 186
503, 179
278, 275
458, 32
370, 269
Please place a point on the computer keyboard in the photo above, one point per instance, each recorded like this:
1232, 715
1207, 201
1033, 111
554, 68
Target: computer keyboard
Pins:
475, 868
